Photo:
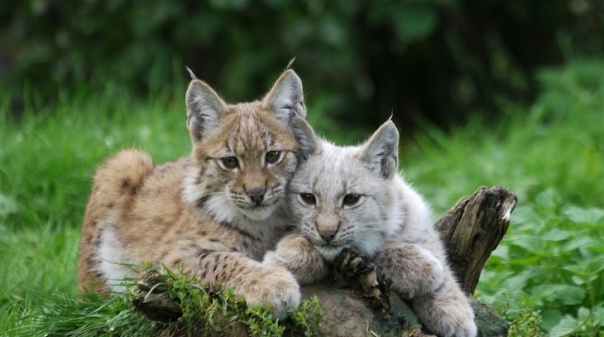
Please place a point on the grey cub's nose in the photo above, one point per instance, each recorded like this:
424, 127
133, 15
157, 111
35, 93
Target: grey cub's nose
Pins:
328, 234
256, 194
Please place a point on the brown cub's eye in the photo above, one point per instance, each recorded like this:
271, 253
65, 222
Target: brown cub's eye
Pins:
229, 163
271, 157
351, 199
308, 198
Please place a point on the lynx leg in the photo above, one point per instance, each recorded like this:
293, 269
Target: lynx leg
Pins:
446, 311
412, 269
257, 283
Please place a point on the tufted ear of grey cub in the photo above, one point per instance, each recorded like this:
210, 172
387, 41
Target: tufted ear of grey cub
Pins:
380, 152
286, 98
191, 73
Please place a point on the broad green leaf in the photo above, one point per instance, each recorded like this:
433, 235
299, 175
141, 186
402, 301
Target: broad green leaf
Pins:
580, 242
567, 325
581, 280
584, 215
589, 266
556, 235
550, 318
518, 281
532, 244
565, 293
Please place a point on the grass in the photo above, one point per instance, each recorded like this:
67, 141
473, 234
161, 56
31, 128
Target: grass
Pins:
547, 275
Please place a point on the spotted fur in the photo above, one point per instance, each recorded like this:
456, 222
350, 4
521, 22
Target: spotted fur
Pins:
212, 214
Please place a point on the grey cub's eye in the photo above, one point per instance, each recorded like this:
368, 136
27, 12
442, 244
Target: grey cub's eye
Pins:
272, 157
308, 199
229, 163
351, 199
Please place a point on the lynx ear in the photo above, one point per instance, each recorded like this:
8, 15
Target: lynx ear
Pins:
204, 108
305, 136
286, 98
380, 152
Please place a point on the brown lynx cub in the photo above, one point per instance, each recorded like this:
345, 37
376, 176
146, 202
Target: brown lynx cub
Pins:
352, 197
215, 213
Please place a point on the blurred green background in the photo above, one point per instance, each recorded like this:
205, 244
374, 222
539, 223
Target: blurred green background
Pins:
486, 92
434, 60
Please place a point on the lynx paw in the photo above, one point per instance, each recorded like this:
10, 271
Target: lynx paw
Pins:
413, 270
446, 312
277, 288
296, 254
457, 326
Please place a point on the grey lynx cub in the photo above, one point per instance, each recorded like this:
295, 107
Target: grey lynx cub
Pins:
353, 197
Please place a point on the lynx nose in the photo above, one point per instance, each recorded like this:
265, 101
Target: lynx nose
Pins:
328, 234
327, 225
256, 194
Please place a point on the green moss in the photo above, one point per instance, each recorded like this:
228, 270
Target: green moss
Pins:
204, 313
211, 313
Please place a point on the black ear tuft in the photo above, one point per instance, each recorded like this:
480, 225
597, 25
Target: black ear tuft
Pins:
191, 73
291, 63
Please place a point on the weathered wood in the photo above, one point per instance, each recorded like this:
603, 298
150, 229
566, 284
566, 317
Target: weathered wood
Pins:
355, 302
473, 228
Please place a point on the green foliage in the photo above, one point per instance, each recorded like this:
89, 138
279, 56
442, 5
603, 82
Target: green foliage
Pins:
550, 263
205, 313
209, 313
437, 59
92, 316
65, 144
526, 323
546, 276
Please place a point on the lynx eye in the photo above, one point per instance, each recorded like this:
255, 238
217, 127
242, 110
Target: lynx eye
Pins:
229, 163
351, 199
272, 157
308, 199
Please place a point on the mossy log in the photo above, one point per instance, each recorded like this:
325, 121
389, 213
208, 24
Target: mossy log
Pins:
355, 302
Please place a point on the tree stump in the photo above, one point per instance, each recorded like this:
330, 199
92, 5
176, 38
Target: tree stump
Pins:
472, 229
355, 302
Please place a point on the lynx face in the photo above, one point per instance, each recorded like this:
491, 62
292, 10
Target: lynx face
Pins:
245, 167
246, 153
340, 197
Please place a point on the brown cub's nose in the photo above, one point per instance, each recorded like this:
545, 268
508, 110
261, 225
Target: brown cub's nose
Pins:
256, 194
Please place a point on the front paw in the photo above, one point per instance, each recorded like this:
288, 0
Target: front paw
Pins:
296, 254
276, 287
352, 269
351, 264
456, 325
